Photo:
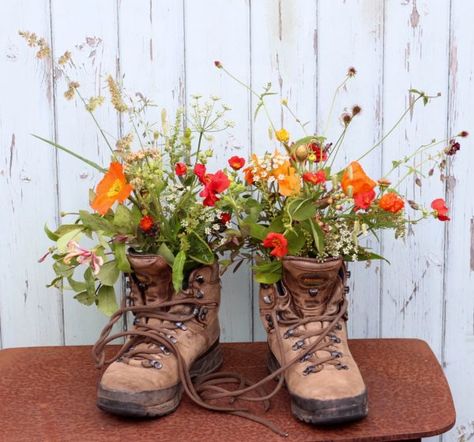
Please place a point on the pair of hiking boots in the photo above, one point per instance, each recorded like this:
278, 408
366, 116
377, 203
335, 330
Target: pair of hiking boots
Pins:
173, 345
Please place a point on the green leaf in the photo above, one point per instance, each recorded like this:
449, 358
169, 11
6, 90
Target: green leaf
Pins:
366, 255
121, 257
63, 270
277, 225
109, 273
70, 152
296, 241
166, 253
77, 286
106, 301
318, 235
123, 217
199, 250
73, 234
256, 231
301, 209
51, 235
178, 270
89, 279
268, 272
96, 222
85, 298
56, 282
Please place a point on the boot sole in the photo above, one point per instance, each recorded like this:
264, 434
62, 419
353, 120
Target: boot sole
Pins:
157, 403
321, 412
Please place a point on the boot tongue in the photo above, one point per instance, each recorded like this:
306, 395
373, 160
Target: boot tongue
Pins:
155, 273
315, 287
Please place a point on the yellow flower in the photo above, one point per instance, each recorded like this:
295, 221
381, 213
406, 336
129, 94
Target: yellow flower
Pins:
282, 135
116, 95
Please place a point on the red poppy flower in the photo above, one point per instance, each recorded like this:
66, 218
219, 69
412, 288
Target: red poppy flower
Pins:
319, 152
225, 218
318, 177
147, 223
200, 172
236, 162
364, 200
180, 169
278, 243
441, 211
214, 183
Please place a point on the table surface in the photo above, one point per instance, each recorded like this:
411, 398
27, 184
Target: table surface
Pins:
48, 394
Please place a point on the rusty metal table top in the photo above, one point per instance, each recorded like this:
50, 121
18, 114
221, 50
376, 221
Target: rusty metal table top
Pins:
48, 394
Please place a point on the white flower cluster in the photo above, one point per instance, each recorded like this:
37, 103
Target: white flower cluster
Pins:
263, 166
341, 241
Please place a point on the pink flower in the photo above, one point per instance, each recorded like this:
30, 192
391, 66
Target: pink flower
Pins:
83, 256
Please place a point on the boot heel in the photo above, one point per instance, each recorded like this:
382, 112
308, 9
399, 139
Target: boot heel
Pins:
208, 362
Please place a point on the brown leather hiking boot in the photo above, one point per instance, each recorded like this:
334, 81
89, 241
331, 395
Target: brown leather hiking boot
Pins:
174, 337
305, 318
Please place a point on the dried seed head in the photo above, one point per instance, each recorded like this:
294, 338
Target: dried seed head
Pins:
413, 205
464, 133
356, 110
218, 64
301, 153
346, 118
351, 71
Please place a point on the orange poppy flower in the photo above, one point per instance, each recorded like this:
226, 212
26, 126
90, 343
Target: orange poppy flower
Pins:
289, 183
354, 177
391, 202
113, 187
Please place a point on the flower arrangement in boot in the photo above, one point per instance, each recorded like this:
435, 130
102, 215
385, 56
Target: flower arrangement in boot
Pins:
159, 216
302, 220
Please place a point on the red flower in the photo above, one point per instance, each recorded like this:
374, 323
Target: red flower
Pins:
214, 183
364, 200
236, 162
319, 152
180, 169
225, 218
318, 177
147, 223
441, 211
278, 243
200, 172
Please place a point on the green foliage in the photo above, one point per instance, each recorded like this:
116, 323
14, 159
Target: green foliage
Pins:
178, 270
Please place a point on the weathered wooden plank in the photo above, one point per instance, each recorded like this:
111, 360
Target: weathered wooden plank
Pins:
283, 51
216, 30
30, 314
458, 348
416, 42
350, 34
83, 24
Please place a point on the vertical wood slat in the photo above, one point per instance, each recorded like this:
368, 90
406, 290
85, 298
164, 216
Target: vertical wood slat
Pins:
416, 42
354, 31
215, 30
458, 348
29, 313
283, 51
76, 129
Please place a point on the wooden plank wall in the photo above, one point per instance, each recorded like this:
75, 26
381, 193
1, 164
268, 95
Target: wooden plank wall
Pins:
165, 49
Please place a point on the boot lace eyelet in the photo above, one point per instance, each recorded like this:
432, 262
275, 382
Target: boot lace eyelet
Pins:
310, 369
335, 339
156, 364
336, 354
342, 367
199, 294
181, 325
199, 279
306, 357
297, 345
290, 332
